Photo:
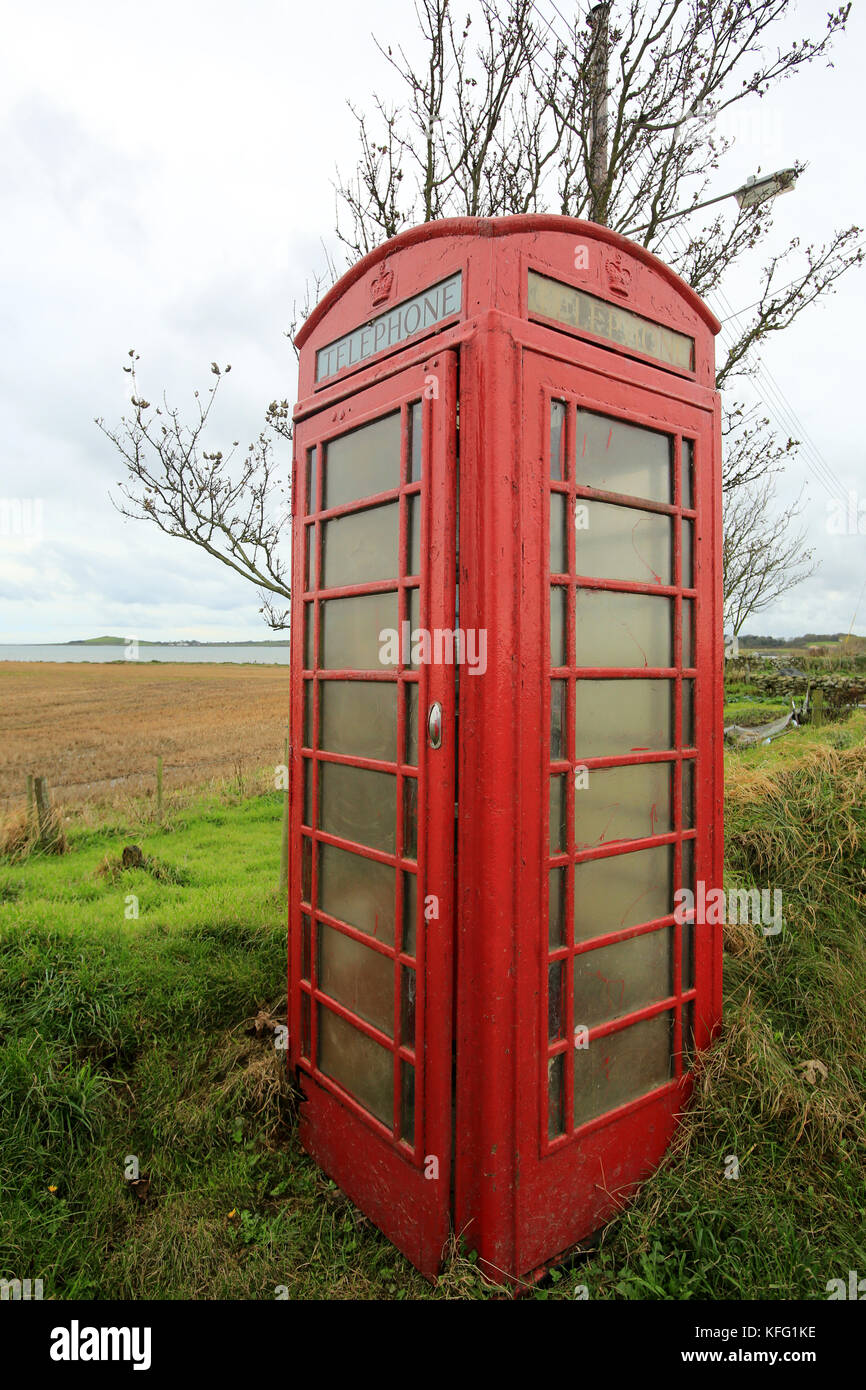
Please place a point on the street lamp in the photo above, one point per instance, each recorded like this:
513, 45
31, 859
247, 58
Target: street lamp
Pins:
753, 192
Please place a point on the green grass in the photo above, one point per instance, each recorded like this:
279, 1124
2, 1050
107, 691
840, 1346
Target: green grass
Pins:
122, 1036
749, 712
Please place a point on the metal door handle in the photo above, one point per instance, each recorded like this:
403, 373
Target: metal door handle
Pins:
434, 725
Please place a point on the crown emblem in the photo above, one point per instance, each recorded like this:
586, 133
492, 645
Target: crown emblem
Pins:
618, 274
381, 286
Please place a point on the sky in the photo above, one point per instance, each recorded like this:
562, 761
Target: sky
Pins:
167, 183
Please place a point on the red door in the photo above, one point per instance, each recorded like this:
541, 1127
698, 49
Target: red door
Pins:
372, 802
622, 994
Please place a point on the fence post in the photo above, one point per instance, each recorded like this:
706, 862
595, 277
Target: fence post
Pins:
47, 825
818, 707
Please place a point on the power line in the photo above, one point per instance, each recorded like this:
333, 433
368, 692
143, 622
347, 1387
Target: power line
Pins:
859, 246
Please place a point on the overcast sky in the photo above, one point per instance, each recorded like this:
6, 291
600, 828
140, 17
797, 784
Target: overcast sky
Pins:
166, 180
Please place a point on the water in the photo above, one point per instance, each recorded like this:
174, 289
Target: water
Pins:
61, 651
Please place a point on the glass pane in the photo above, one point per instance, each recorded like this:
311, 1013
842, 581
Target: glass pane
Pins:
622, 1066
309, 532
411, 714
306, 869
361, 547
352, 628
687, 873
307, 814
357, 1063
414, 444
555, 976
688, 578
309, 696
557, 441
687, 465
407, 1006
556, 908
688, 956
410, 817
414, 625
688, 632
622, 543
558, 691
622, 891
363, 463
623, 803
359, 718
688, 714
688, 794
414, 555
407, 1102
358, 891
311, 503
615, 457
309, 640
616, 980
557, 814
557, 626
622, 716
558, 534
410, 912
305, 1025
360, 979
306, 947
623, 629
358, 804
556, 1096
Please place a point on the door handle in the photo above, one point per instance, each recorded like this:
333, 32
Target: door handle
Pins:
434, 725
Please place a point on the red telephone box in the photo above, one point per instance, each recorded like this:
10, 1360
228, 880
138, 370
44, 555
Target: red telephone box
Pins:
506, 730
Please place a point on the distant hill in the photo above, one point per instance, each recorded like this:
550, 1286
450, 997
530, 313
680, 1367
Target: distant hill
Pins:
183, 642
809, 639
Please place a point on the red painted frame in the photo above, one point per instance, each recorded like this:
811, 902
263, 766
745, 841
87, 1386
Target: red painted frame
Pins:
518, 1200
386, 1176
570, 1185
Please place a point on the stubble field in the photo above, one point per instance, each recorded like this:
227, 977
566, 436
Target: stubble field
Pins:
94, 730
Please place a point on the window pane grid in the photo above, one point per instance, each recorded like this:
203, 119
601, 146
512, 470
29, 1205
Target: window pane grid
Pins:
560, 1052
394, 1031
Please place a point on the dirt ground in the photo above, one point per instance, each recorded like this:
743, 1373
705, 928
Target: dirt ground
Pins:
95, 730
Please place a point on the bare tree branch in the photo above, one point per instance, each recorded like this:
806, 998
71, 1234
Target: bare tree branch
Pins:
239, 516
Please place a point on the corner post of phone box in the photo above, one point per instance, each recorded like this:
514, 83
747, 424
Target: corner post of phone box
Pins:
488, 791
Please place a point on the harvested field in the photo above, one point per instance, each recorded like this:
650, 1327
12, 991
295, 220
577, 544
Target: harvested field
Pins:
95, 730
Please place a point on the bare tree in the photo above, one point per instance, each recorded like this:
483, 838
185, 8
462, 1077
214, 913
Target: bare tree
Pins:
497, 117
764, 554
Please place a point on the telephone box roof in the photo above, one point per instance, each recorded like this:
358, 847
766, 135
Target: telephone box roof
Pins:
503, 227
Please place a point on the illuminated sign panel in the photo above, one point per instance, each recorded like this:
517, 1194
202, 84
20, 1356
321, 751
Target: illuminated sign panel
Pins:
576, 309
425, 310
